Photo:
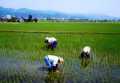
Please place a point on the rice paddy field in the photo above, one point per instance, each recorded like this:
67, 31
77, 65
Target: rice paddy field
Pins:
22, 52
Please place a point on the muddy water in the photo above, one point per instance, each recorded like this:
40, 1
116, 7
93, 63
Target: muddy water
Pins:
73, 71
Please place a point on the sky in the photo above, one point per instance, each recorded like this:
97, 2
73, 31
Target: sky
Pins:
104, 7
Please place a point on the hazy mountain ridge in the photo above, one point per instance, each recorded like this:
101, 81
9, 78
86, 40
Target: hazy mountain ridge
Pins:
24, 12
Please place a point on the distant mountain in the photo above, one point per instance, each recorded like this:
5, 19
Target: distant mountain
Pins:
23, 12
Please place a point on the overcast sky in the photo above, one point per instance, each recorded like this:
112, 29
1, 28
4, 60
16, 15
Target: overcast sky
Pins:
106, 7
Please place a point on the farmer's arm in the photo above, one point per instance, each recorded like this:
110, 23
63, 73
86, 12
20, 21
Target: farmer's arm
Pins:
55, 65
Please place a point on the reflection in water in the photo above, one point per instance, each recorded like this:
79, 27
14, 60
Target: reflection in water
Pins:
85, 62
54, 77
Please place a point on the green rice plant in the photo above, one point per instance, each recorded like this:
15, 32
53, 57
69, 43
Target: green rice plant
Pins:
19, 52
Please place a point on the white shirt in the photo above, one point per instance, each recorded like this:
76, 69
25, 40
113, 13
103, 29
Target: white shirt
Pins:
53, 59
50, 39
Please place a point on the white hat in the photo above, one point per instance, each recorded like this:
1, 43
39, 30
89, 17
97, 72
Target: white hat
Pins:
61, 59
86, 49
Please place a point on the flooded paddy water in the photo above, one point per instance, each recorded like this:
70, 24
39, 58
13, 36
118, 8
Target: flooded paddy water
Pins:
15, 71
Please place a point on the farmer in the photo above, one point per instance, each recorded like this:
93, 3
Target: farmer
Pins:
85, 54
53, 61
51, 42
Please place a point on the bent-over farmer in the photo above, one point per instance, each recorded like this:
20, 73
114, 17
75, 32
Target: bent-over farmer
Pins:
53, 61
51, 42
85, 54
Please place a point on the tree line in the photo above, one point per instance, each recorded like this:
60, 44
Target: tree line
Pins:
9, 18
